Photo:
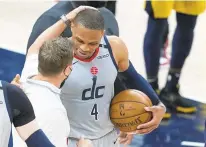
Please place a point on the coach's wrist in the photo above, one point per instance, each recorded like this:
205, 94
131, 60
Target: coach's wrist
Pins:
65, 19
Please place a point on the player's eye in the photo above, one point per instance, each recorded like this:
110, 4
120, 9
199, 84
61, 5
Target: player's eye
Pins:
80, 41
93, 44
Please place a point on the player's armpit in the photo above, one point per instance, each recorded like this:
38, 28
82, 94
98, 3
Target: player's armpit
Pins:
120, 52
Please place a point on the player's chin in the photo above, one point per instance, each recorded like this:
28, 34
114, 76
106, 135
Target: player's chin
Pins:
83, 56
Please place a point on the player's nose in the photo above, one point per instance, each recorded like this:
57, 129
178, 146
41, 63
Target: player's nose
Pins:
84, 48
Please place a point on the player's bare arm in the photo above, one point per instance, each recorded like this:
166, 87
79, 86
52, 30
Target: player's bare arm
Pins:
120, 52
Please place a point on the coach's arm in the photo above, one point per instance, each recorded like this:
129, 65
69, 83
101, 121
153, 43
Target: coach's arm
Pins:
133, 80
54, 31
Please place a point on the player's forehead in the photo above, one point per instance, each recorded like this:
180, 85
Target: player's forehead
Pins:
87, 38
83, 31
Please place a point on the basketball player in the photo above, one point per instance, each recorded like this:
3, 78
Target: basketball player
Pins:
52, 15
88, 91
164, 59
111, 5
186, 14
21, 114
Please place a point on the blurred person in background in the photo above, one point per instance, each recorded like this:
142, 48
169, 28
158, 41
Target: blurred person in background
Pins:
111, 5
52, 15
187, 13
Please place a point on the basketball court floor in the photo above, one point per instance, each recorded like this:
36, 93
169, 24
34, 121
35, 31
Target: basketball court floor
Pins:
17, 18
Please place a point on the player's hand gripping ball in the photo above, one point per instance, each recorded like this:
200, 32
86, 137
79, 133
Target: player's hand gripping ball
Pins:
127, 110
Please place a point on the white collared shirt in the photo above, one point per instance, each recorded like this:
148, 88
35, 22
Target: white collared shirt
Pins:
45, 99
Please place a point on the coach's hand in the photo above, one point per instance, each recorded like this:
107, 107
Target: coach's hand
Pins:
125, 138
157, 115
71, 15
84, 143
16, 81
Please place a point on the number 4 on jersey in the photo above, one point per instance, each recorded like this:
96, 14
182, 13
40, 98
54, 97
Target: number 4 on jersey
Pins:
94, 111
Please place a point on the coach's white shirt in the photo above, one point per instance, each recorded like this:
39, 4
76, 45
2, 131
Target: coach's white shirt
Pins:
45, 99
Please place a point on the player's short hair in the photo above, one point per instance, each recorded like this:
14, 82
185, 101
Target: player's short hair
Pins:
90, 19
55, 55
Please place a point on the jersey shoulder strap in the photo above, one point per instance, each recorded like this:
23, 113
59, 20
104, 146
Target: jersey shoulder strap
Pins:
108, 46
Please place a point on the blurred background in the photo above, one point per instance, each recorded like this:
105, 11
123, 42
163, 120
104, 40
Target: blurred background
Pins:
16, 21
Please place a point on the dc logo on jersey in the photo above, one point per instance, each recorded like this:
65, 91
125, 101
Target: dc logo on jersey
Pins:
93, 92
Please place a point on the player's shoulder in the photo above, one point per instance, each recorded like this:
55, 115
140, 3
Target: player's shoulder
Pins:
115, 41
113, 38
118, 47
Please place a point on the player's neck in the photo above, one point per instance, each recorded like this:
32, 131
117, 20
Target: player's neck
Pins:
52, 80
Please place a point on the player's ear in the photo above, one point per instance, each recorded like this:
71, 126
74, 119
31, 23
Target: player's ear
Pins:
68, 70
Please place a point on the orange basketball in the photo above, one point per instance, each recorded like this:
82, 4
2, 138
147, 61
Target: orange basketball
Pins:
127, 110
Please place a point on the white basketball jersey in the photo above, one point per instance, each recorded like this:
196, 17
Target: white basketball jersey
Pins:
87, 94
5, 123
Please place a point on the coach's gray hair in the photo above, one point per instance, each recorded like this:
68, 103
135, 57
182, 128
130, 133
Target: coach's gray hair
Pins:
55, 55
90, 19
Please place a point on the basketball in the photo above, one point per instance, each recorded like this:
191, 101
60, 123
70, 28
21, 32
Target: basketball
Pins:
127, 110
